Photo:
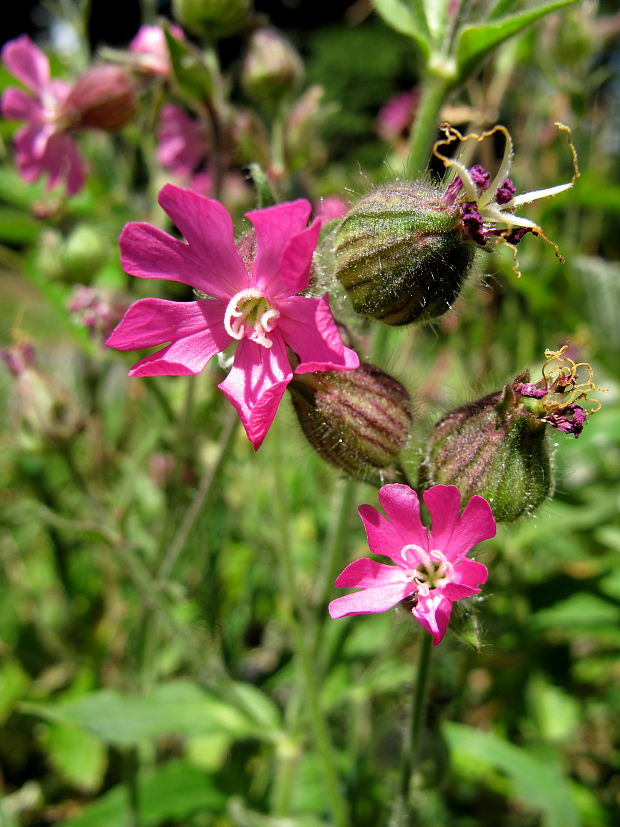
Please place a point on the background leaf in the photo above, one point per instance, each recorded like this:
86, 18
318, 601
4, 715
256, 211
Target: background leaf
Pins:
475, 42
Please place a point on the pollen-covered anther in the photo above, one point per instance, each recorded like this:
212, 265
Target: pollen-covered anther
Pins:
249, 314
560, 377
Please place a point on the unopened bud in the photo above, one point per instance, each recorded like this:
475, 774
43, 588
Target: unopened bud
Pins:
497, 447
41, 408
272, 68
401, 255
212, 18
358, 420
102, 98
493, 448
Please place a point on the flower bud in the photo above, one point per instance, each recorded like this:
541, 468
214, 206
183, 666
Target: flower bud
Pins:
212, 18
272, 68
358, 420
401, 255
42, 409
102, 98
496, 447
493, 448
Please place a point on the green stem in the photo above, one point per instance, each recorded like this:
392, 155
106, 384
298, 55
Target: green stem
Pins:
131, 769
200, 500
278, 143
333, 557
418, 706
303, 652
434, 93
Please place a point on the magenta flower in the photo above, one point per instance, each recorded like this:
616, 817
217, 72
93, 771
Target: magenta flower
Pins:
396, 115
182, 141
254, 302
151, 50
44, 144
432, 569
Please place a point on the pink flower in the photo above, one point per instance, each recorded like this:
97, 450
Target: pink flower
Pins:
396, 114
431, 568
330, 208
182, 141
150, 47
44, 144
254, 302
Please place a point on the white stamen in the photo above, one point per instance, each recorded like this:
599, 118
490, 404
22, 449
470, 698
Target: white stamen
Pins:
249, 314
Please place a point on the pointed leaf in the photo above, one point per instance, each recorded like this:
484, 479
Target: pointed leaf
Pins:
188, 69
538, 784
172, 792
177, 707
407, 17
475, 42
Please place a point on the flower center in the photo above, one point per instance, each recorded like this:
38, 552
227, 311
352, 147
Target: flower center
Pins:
250, 314
429, 569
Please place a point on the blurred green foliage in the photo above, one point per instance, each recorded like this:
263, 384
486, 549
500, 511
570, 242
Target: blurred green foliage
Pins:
140, 686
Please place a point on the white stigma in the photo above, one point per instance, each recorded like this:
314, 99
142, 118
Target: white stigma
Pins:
249, 314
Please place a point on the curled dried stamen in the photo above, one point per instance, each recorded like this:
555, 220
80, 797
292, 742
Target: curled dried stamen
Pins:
488, 208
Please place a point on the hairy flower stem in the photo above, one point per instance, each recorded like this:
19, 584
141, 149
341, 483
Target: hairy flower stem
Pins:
418, 707
424, 131
303, 651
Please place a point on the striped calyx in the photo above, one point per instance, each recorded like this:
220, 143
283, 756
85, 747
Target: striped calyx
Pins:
494, 448
358, 420
401, 254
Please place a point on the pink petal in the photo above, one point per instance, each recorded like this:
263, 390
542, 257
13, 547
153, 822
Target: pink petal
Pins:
366, 574
208, 229
274, 228
16, 105
381, 535
443, 501
475, 525
369, 601
76, 174
309, 329
150, 322
470, 572
61, 161
31, 143
150, 253
293, 272
27, 62
433, 613
256, 384
457, 591
181, 358
402, 508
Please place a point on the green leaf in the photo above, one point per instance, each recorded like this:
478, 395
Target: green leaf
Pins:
538, 784
189, 71
475, 42
13, 682
437, 16
407, 17
17, 227
174, 791
264, 193
580, 612
177, 707
501, 8
79, 757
